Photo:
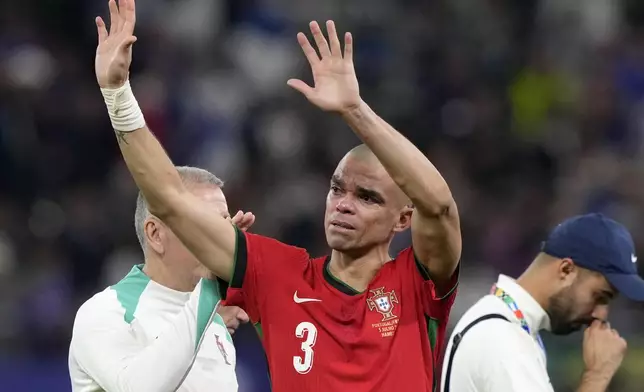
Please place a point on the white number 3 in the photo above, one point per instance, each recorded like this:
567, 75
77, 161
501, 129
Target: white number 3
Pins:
308, 330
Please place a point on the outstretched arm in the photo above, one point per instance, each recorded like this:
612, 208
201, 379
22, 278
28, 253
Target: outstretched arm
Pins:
435, 222
209, 236
435, 226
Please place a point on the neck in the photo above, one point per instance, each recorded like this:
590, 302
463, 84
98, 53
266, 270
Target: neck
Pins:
535, 286
357, 272
172, 278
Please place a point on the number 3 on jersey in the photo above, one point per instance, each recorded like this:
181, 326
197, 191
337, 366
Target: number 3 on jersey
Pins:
309, 333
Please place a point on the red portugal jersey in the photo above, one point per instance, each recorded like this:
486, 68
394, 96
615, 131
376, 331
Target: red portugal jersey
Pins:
321, 335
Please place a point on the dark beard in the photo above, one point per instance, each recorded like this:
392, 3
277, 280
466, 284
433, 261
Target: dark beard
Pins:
561, 310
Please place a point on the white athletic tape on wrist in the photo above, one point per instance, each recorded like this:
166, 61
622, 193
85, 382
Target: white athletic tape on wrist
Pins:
124, 111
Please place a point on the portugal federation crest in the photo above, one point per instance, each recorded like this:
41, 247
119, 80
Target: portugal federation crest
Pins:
383, 303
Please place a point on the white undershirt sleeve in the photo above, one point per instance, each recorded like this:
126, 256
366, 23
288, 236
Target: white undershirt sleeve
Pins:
107, 349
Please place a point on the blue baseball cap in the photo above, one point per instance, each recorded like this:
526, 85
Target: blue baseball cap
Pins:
599, 244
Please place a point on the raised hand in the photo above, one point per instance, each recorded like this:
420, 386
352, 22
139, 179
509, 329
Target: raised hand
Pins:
233, 316
243, 220
603, 349
336, 86
114, 51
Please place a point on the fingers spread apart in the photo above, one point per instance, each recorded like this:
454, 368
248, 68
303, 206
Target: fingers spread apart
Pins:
102, 30
122, 18
325, 51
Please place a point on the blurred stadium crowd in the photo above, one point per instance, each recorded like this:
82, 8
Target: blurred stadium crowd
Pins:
533, 110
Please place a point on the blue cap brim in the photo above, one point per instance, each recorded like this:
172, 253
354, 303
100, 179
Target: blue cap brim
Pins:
629, 285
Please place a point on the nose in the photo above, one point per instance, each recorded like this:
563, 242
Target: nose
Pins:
600, 312
345, 205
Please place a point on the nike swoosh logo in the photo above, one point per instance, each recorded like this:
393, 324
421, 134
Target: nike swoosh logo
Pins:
299, 300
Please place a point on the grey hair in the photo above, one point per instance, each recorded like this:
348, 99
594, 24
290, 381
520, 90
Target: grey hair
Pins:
190, 176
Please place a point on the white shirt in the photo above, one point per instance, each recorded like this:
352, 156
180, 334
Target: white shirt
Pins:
496, 355
140, 336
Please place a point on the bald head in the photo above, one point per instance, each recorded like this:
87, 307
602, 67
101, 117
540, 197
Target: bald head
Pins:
363, 153
364, 207
365, 161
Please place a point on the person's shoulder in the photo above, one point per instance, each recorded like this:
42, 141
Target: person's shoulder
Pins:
319, 261
99, 325
485, 304
101, 309
276, 246
405, 254
406, 262
492, 333
402, 263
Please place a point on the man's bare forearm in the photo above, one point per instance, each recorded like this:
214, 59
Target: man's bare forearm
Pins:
151, 168
205, 232
591, 382
208, 236
406, 164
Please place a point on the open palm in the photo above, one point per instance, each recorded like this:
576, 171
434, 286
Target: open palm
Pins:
335, 83
114, 51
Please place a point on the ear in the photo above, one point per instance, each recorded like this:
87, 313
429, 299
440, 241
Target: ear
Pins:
155, 234
567, 270
404, 219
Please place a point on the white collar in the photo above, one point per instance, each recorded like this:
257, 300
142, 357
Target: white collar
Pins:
163, 293
534, 314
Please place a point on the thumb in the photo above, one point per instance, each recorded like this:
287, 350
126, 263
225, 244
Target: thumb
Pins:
300, 86
243, 316
128, 42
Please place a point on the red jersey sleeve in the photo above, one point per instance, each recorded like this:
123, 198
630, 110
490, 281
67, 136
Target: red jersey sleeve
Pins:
261, 263
434, 306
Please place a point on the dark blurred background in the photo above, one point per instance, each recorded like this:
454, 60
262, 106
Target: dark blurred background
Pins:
532, 109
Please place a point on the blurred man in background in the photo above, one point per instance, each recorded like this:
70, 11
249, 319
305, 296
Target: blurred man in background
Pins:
584, 263
332, 323
158, 328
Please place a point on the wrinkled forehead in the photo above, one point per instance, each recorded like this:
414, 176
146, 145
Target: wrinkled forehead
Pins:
354, 172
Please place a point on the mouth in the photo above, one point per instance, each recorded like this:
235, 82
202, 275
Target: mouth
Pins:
341, 225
